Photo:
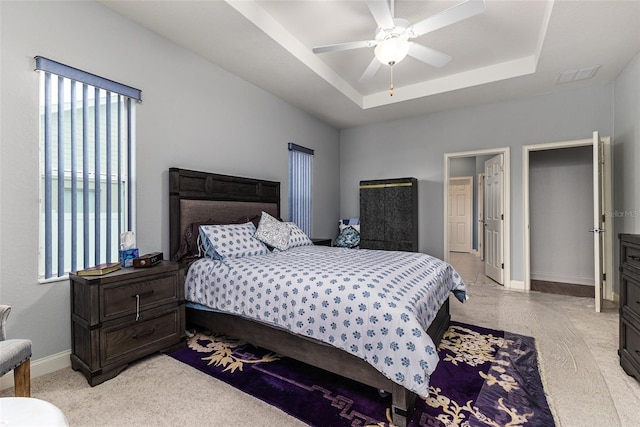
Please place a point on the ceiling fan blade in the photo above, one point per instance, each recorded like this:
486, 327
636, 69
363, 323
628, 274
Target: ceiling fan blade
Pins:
344, 46
381, 13
429, 56
449, 16
371, 70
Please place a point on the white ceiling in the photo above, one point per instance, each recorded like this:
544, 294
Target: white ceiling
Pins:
515, 48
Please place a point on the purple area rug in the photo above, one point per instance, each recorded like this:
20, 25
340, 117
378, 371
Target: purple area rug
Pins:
485, 377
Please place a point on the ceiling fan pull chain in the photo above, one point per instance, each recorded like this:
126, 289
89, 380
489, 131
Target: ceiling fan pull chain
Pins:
391, 87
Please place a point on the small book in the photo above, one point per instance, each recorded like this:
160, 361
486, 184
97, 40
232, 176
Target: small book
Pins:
100, 269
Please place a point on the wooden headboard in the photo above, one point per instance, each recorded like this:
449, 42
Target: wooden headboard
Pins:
200, 196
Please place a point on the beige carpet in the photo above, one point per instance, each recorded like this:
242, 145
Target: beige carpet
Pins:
156, 391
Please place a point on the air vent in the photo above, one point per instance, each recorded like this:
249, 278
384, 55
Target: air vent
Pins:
577, 74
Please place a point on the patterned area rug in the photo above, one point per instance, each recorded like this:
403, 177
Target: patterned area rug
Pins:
485, 378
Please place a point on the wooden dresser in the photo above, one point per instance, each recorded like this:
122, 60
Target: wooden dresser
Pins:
125, 315
630, 304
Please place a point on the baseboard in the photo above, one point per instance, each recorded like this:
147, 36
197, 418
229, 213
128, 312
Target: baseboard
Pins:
516, 285
575, 280
40, 367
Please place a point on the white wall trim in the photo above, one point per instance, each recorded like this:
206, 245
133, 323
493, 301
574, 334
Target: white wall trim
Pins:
505, 151
518, 285
40, 367
526, 150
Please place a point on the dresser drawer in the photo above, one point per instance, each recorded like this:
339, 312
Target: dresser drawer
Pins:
136, 296
630, 298
156, 330
630, 257
630, 349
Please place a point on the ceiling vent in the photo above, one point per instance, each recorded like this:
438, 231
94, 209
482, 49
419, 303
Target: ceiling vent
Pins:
577, 74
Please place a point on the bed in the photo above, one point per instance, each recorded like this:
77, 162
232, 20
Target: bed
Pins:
201, 197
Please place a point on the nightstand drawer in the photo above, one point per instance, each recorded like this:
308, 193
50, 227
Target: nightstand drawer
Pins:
132, 340
134, 297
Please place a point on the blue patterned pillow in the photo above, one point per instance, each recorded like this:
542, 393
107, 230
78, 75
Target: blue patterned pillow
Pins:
231, 241
273, 232
348, 238
297, 236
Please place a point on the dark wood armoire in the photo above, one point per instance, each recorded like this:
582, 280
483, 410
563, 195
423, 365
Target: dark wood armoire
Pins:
389, 214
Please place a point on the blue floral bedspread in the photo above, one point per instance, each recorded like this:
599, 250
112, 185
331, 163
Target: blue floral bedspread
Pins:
375, 305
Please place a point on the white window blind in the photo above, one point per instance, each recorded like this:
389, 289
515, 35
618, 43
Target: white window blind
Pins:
300, 180
86, 167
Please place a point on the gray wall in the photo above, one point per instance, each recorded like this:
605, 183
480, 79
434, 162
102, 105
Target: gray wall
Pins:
462, 166
626, 156
561, 212
194, 115
626, 150
419, 145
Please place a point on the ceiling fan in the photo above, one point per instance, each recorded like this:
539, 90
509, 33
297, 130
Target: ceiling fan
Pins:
392, 36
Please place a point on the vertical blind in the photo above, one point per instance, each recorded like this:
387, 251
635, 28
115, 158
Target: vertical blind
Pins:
86, 169
300, 174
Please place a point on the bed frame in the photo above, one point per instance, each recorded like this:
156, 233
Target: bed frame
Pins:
200, 196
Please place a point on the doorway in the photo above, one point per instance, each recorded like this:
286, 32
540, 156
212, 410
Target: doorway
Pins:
583, 205
478, 158
460, 214
560, 213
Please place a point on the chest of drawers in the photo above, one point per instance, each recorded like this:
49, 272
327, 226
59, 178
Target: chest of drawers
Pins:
630, 304
123, 316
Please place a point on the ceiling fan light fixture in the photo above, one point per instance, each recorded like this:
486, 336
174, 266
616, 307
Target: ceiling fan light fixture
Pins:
392, 50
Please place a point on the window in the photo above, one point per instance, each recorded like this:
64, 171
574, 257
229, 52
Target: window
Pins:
300, 174
86, 167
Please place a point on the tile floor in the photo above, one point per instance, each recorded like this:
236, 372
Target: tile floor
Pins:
577, 347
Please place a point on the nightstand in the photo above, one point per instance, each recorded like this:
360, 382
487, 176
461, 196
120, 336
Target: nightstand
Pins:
322, 242
122, 316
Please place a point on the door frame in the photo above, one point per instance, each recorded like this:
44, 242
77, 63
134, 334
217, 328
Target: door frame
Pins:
468, 180
505, 151
608, 293
480, 209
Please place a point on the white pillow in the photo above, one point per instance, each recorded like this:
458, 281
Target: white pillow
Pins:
297, 236
231, 241
273, 232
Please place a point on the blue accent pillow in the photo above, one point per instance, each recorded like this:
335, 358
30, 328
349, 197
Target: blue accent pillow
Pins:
231, 241
348, 238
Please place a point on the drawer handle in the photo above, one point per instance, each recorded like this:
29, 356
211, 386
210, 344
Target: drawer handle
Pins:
137, 297
144, 333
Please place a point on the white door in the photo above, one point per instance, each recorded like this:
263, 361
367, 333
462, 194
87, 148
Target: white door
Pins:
494, 218
460, 213
601, 203
480, 229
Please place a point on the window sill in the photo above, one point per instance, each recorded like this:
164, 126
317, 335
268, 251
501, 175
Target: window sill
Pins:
53, 280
